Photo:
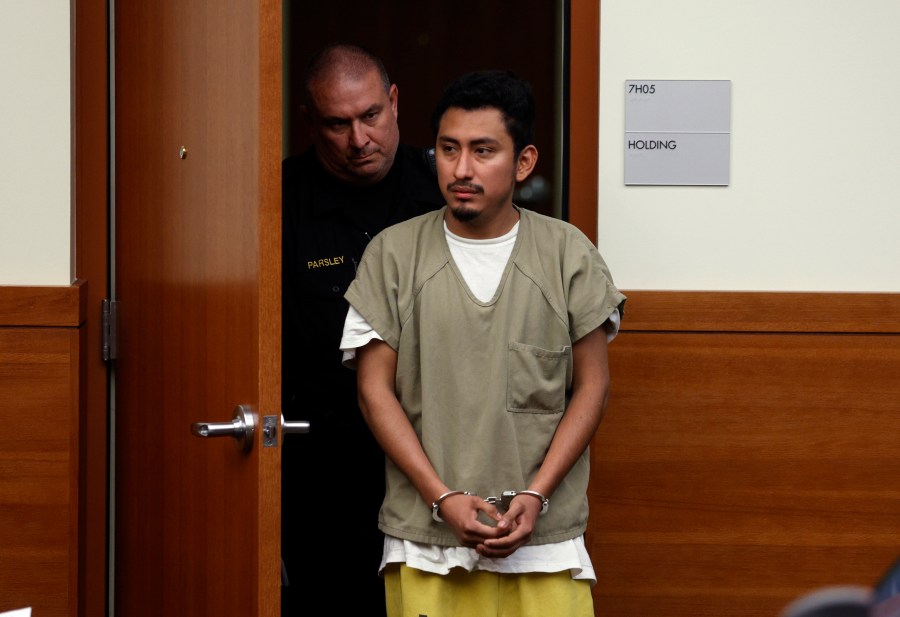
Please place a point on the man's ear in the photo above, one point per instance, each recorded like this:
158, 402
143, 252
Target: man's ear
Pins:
394, 98
525, 164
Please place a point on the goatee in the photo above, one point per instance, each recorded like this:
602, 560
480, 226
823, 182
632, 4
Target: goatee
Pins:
464, 214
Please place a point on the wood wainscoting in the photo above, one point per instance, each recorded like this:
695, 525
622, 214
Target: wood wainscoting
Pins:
749, 453
41, 347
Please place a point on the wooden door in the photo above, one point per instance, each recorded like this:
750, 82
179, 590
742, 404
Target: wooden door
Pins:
197, 281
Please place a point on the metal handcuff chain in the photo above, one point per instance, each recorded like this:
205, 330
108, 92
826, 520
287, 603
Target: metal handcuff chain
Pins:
505, 499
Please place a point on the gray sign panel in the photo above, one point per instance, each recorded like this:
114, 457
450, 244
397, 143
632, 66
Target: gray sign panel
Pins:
677, 159
677, 132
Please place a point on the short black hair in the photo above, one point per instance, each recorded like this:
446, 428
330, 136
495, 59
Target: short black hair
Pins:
340, 57
493, 89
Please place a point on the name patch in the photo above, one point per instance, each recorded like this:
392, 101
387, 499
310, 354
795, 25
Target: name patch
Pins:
325, 262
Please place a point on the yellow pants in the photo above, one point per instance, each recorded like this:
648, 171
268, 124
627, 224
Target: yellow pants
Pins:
414, 593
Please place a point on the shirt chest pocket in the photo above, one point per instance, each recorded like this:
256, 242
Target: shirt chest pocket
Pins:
537, 378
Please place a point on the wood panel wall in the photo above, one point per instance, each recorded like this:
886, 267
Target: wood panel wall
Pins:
749, 452
41, 346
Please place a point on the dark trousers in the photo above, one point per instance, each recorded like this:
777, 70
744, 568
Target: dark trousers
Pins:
332, 489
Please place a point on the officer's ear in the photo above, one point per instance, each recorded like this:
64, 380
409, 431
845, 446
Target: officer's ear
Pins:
394, 98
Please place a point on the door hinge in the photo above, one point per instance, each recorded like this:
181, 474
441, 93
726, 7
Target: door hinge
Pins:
110, 319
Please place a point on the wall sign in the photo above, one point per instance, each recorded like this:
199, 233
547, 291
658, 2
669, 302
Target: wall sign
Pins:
677, 132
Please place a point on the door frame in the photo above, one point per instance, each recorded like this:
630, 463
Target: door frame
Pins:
583, 119
90, 172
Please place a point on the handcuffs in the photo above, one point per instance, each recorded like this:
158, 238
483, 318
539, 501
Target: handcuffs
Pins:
504, 501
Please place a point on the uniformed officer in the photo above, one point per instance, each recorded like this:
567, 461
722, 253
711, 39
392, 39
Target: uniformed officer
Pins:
355, 180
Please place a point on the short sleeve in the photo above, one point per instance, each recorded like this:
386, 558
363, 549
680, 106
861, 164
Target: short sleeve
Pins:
373, 293
592, 296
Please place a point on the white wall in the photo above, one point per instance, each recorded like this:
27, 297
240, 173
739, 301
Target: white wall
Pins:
35, 143
814, 197
813, 202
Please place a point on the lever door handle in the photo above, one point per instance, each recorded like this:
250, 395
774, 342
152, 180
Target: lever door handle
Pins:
270, 436
241, 428
294, 426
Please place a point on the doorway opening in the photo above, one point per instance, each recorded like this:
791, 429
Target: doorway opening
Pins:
424, 50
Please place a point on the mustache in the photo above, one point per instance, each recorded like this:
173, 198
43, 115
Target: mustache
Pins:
364, 152
467, 186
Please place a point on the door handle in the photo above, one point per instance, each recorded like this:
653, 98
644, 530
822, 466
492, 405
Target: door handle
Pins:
270, 437
294, 426
270, 429
241, 428
243, 425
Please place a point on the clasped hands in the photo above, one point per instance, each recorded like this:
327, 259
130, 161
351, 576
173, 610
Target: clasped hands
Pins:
464, 514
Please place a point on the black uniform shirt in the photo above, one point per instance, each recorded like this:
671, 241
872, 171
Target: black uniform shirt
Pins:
326, 226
